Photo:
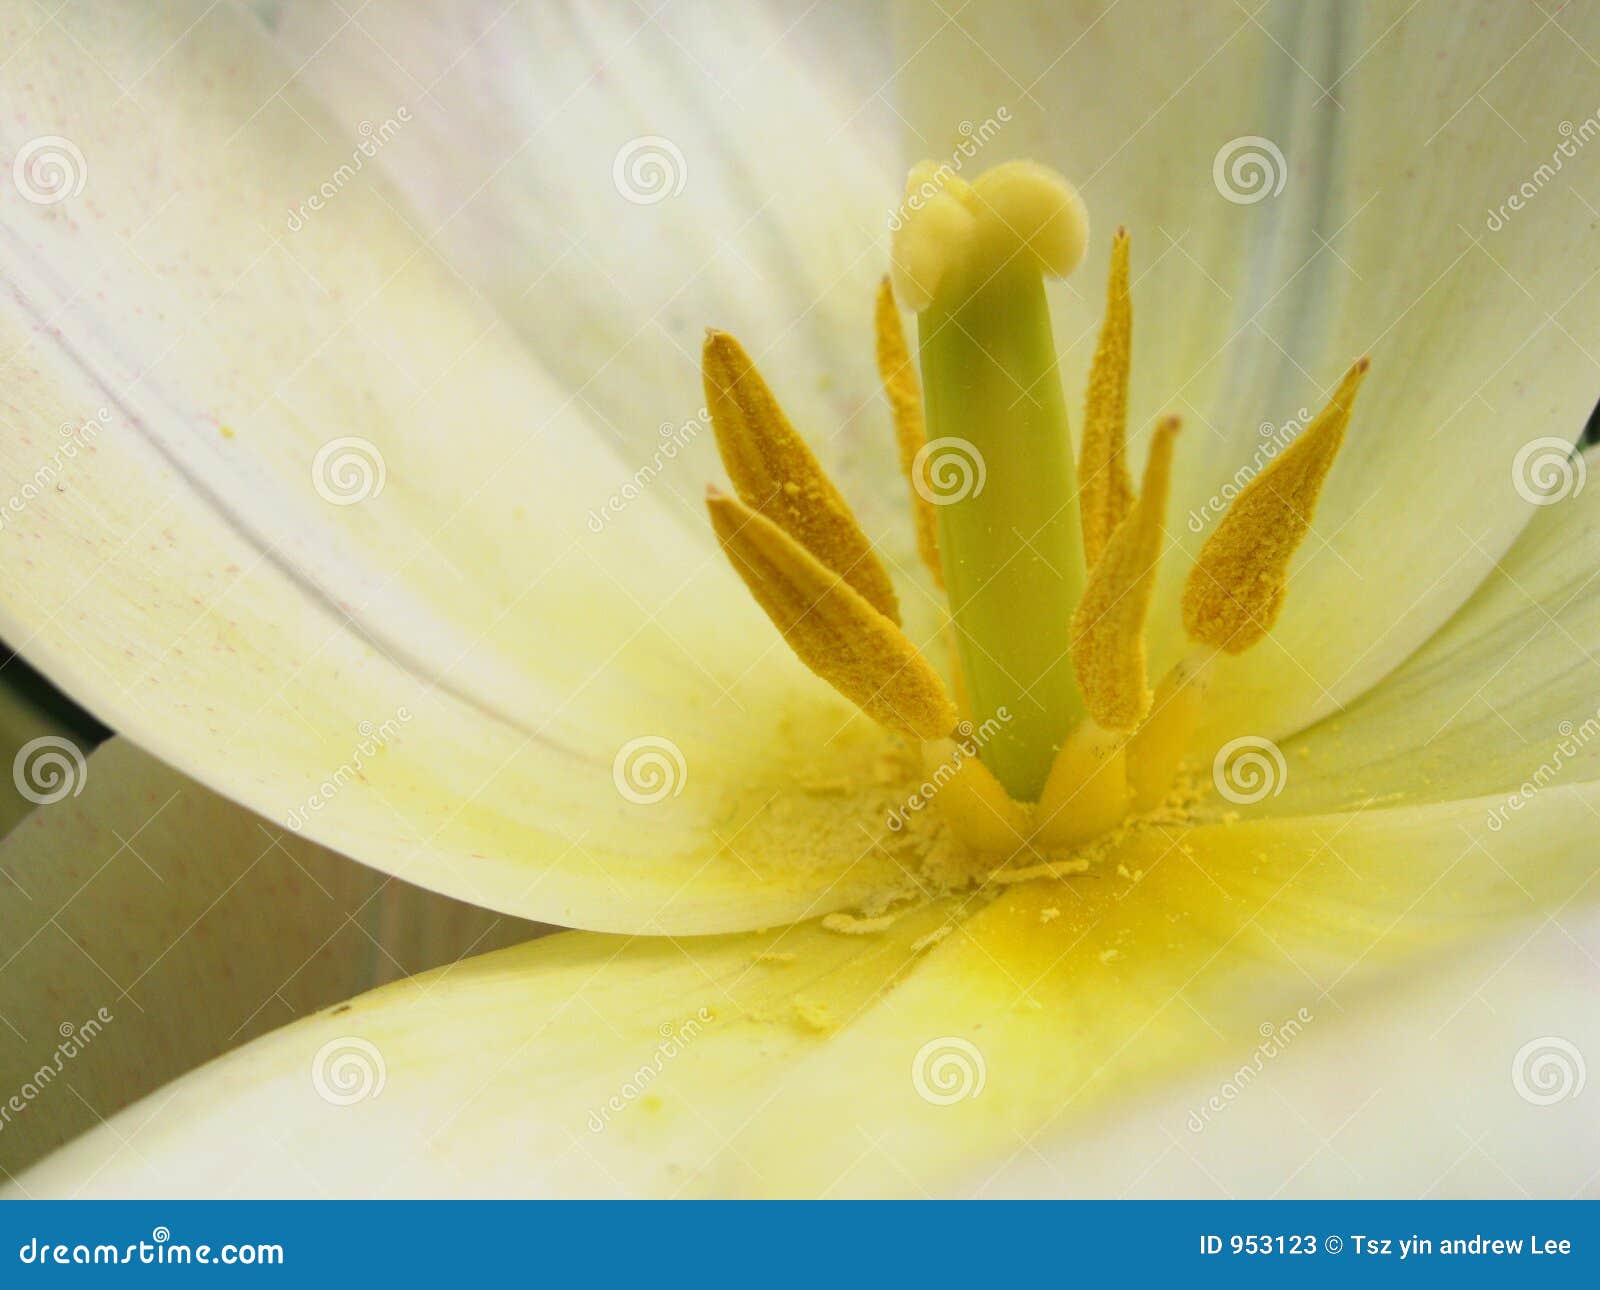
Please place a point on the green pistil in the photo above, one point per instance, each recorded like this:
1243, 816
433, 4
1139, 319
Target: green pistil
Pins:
1012, 552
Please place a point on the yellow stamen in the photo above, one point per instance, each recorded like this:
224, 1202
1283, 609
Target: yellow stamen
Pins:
1108, 650
1157, 748
899, 377
972, 802
1235, 592
1087, 791
1105, 490
831, 626
776, 474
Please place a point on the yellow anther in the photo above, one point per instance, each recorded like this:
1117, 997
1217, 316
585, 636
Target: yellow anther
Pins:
1108, 649
831, 626
972, 802
1235, 591
1105, 490
1157, 748
899, 375
775, 473
1087, 791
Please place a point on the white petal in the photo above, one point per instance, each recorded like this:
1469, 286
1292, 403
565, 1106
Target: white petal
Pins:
438, 675
1468, 1082
1400, 128
1503, 702
808, 1061
615, 181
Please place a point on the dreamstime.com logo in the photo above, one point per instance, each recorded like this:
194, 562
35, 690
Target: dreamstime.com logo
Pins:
74, 439
348, 470
1249, 769
49, 169
969, 739
675, 1037
1573, 137
1249, 169
673, 440
1274, 439
649, 769
974, 138
348, 1070
1548, 1070
1573, 739
649, 169
74, 1039
49, 768
948, 470
948, 1070
1275, 1038
160, 1249
372, 741
373, 137
1547, 470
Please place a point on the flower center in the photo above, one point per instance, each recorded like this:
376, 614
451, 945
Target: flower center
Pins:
1048, 561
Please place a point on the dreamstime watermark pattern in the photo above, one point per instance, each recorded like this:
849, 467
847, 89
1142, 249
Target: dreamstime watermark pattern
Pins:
373, 137
675, 1037
74, 439
1547, 470
49, 169
973, 140
1274, 1039
348, 470
1275, 438
1572, 139
1248, 169
74, 1039
649, 169
673, 440
948, 1070
49, 768
348, 1070
948, 470
649, 769
1548, 1070
969, 740
1571, 741
1249, 769
373, 739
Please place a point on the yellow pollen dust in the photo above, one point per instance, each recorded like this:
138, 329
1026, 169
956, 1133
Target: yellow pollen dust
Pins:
1235, 592
899, 376
774, 472
1108, 647
1105, 492
833, 629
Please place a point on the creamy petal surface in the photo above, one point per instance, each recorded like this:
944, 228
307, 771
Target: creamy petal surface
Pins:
1503, 700
851, 1060
1306, 184
305, 486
